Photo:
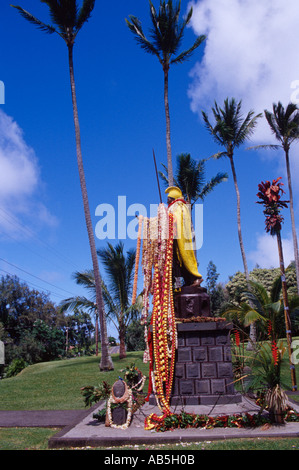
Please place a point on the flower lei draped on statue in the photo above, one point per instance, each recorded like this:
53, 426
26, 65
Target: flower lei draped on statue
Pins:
160, 329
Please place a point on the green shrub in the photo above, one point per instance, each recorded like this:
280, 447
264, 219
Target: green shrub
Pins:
16, 366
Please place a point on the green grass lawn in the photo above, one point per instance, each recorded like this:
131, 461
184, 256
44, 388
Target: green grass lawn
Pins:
37, 439
56, 385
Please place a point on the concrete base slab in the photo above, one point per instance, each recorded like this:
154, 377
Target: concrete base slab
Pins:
89, 432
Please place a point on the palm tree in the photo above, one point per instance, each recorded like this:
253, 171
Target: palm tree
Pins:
190, 178
231, 130
166, 34
270, 197
117, 294
284, 123
85, 279
263, 307
68, 20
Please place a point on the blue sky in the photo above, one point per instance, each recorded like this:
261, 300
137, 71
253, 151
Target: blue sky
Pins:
250, 54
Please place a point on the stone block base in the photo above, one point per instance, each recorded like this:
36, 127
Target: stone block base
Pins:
203, 369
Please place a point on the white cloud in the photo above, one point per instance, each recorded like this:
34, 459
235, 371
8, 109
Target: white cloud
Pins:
266, 253
250, 54
19, 170
20, 180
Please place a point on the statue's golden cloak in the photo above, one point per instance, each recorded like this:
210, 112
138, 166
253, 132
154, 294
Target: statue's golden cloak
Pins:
184, 236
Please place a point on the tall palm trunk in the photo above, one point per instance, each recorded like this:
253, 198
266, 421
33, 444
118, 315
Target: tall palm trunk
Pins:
122, 344
239, 217
106, 362
167, 115
252, 333
97, 334
294, 234
286, 311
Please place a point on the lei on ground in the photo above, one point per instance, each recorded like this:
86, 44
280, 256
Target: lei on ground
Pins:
190, 420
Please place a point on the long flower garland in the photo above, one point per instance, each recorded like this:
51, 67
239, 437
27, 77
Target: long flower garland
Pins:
134, 294
164, 329
161, 337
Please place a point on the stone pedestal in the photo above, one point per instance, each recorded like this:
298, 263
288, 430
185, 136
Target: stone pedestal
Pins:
191, 302
203, 366
203, 369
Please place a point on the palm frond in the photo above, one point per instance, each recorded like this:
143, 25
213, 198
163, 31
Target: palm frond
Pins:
190, 175
252, 316
232, 312
274, 307
119, 271
218, 155
276, 287
32, 19
284, 123
165, 34
211, 185
294, 305
84, 13
77, 302
130, 269
273, 124
260, 292
185, 55
231, 130
63, 14
164, 177
112, 310
264, 146
246, 128
136, 28
166, 31
213, 130
85, 279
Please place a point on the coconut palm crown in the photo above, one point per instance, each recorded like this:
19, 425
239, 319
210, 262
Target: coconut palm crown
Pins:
190, 178
231, 130
65, 15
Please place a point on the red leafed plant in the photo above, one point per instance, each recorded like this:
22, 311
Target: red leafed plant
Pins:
270, 196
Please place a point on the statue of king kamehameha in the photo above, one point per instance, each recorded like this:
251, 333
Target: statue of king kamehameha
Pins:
184, 260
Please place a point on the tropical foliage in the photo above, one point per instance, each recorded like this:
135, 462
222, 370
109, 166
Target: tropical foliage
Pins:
264, 308
31, 327
116, 293
190, 178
